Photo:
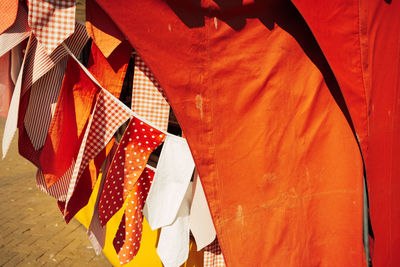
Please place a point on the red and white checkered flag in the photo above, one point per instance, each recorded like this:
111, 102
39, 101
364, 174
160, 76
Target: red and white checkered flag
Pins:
108, 115
148, 98
213, 255
52, 21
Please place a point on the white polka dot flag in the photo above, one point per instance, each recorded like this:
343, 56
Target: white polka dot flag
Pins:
137, 143
148, 99
129, 234
51, 21
213, 256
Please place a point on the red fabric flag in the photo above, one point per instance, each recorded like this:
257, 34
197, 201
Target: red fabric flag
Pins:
70, 118
110, 72
101, 29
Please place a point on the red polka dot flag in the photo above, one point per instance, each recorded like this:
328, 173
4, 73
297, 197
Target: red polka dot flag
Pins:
136, 145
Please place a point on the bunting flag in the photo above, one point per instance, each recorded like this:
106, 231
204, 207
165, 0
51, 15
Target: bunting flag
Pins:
39, 62
174, 171
148, 98
107, 117
6, 85
96, 233
8, 13
101, 29
128, 237
44, 74
12, 115
173, 245
18, 32
67, 127
51, 21
137, 143
201, 224
42, 102
110, 71
34, 66
213, 256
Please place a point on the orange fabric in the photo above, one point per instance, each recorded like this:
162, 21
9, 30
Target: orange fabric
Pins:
368, 73
279, 163
110, 72
8, 14
69, 121
337, 32
102, 29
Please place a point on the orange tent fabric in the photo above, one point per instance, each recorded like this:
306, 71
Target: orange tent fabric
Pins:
361, 40
279, 162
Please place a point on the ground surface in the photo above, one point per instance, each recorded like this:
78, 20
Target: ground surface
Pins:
32, 230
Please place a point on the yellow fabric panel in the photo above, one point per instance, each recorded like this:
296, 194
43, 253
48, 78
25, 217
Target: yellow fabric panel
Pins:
147, 255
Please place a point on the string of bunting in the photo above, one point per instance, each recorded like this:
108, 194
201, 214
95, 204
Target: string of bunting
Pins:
127, 109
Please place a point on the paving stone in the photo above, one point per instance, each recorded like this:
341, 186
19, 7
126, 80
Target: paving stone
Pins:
32, 229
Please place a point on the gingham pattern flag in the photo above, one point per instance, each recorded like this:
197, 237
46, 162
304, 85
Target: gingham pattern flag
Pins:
148, 99
107, 117
51, 21
213, 256
39, 63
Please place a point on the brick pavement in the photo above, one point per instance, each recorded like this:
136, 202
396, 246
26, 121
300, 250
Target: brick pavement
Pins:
32, 230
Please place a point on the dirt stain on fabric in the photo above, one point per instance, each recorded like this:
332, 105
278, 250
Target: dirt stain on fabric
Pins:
199, 104
239, 214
